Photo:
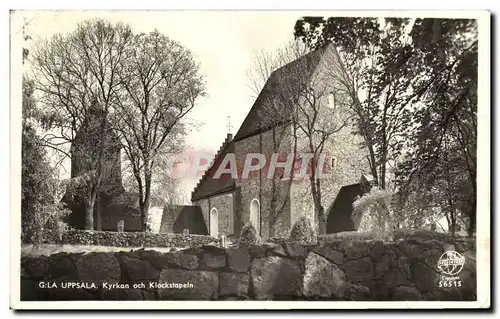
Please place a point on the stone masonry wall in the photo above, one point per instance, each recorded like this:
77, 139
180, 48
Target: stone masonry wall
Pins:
282, 223
344, 146
250, 188
339, 270
259, 186
224, 205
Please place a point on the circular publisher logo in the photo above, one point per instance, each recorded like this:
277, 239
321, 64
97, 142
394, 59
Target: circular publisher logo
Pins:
451, 263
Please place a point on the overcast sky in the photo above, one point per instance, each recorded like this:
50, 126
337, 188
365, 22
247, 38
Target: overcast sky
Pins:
222, 41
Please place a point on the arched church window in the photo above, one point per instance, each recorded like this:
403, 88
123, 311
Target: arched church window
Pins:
255, 214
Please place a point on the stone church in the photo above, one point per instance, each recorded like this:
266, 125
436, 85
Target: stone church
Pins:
273, 205
221, 206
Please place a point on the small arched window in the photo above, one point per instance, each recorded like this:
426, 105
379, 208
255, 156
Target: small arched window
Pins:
331, 100
334, 162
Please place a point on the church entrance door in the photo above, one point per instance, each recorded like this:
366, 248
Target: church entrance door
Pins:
214, 223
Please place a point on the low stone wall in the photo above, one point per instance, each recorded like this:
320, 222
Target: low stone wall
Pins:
337, 270
128, 239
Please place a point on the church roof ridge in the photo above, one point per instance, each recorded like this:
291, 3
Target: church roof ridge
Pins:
309, 61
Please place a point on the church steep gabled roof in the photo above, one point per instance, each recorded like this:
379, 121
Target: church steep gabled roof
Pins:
279, 82
260, 118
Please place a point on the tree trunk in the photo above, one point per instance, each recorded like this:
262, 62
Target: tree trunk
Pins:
147, 200
96, 181
275, 208
272, 212
98, 221
89, 214
271, 226
367, 137
448, 221
320, 215
144, 207
373, 161
318, 208
316, 189
471, 227
453, 225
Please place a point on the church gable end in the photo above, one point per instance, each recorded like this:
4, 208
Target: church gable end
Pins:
273, 97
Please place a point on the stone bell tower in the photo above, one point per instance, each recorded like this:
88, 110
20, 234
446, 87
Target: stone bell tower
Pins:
113, 203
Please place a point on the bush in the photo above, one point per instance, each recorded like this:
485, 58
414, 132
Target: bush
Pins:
126, 239
372, 214
248, 236
41, 211
303, 232
47, 222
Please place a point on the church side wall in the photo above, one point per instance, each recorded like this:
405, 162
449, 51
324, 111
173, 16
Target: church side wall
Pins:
250, 188
282, 140
237, 211
224, 205
346, 160
259, 187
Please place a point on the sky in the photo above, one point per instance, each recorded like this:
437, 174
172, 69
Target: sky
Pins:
222, 42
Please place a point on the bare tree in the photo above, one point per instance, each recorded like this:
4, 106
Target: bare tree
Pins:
283, 130
300, 111
161, 84
74, 72
264, 62
321, 114
314, 118
165, 188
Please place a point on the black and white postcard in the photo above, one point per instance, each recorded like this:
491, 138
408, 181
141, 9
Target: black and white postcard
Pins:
273, 159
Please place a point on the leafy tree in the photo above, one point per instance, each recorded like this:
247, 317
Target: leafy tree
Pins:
41, 212
161, 84
413, 86
443, 161
140, 86
377, 73
73, 73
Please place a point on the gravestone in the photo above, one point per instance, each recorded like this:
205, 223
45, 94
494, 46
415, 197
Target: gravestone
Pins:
222, 241
120, 226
